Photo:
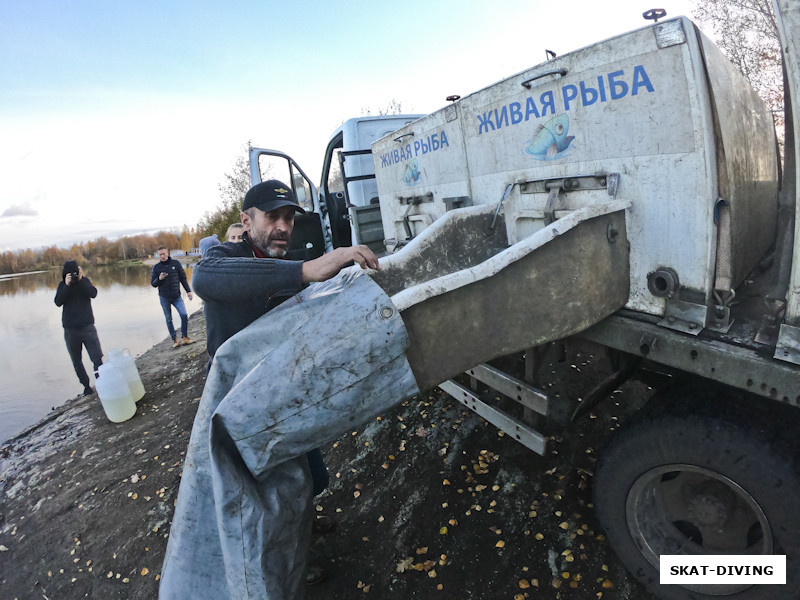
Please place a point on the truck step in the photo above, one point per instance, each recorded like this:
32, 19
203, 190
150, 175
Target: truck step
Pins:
521, 432
527, 395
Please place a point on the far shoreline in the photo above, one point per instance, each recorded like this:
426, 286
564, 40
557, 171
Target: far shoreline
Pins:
148, 262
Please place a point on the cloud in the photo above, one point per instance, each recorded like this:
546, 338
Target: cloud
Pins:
19, 210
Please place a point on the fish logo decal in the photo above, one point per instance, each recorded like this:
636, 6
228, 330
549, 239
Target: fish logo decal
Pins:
550, 140
411, 174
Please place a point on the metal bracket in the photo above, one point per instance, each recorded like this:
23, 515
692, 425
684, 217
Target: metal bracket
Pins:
411, 202
457, 202
767, 334
612, 183
414, 200
554, 188
515, 428
578, 183
506, 192
720, 317
519, 391
788, 347
684, 316
628, 364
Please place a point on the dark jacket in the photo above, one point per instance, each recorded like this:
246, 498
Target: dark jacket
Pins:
170, 286
76, 299
237, 288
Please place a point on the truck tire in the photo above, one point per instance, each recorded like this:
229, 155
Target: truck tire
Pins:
707, 473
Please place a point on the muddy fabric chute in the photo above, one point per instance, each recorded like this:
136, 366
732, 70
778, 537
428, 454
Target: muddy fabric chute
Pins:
324, 362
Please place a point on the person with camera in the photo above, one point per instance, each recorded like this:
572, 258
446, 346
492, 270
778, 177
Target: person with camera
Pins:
74, 295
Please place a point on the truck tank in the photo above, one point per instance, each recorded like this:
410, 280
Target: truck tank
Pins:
657, 117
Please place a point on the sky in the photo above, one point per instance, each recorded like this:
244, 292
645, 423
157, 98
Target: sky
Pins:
123, 117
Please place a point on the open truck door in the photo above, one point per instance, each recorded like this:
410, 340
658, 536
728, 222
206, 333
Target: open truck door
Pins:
311, 236
348, 188
346, 205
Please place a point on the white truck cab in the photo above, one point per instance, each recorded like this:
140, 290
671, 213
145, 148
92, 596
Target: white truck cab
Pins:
346, 202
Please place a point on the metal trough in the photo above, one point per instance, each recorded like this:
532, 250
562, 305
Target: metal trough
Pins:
466, 297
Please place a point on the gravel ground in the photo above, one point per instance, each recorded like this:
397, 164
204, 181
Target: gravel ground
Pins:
429, 500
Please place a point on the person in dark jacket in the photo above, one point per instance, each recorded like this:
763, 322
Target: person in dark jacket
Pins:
74, 295
168, 276
237, 281
242, 281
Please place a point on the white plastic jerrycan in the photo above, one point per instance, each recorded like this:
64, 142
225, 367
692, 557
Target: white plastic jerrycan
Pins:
124, 362
115, 395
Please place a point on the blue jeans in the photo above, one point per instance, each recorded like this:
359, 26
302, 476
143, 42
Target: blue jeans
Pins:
166, 306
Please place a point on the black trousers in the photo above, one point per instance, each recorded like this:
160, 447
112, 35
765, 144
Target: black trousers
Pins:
76, 339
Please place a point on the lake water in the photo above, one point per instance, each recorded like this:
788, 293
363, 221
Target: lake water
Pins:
36, 373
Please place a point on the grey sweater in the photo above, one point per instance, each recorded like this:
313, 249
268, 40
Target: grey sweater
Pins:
238, 288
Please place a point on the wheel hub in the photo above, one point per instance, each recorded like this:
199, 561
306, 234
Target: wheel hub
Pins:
710, 506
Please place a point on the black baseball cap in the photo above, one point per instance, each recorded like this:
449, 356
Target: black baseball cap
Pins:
269, 195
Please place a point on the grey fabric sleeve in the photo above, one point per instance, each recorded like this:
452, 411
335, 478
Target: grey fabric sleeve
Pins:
236, 278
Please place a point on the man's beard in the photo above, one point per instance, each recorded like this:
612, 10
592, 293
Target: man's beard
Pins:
264, 243
275, 252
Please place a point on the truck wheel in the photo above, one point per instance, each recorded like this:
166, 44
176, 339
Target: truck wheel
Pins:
702, 476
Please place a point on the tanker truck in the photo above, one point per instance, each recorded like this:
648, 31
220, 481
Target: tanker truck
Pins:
627, 195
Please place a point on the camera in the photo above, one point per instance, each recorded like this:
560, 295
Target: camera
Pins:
74, 276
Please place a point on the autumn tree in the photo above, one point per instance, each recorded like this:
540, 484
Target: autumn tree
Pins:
747, 33
8, 262
117, 250
26, 260
168, 239
76, 253
187, 239
143, 245
101, 247
53, 256
232, 192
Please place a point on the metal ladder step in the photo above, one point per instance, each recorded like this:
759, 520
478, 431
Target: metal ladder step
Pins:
524, 393
517, 390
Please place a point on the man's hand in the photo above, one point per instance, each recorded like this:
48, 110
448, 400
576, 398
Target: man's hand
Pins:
162, 275
69, 278
328, 265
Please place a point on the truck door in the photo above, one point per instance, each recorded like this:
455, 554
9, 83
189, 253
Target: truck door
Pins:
333, 191
348, 188
311, 236
350, 193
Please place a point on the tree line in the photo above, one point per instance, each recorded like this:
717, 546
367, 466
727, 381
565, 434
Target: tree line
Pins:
100, 251
103, 251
